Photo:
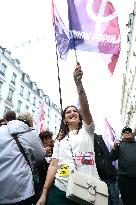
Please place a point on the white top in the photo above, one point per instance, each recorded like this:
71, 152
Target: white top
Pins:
16, 181
82, 144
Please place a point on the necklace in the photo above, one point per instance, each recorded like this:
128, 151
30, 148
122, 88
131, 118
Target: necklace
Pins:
73, 132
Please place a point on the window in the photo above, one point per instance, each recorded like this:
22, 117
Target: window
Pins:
40, 93
1, 83
55, 130
33, 112
47, 125
34, 86
6, 110
21, 90
26, 79
48, 112
55, 118
10, 95
47, 100
28, 96
3, 68
19, 106
13, 80
26, 107
34, 101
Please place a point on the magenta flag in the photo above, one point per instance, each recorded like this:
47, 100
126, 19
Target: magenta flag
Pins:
93, 26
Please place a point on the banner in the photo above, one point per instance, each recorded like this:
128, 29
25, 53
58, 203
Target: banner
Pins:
40, 118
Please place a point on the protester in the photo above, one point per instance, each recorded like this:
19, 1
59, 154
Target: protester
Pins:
106, 171
48, 143
16, 180
2, 122
80, 135
125, 151
10, 115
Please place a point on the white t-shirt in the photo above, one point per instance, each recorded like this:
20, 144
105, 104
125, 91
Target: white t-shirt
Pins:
82, 144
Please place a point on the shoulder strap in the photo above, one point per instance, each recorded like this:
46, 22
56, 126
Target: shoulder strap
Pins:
72, 153
21, 148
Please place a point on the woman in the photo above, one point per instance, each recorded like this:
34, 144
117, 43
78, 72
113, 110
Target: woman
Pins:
74, 134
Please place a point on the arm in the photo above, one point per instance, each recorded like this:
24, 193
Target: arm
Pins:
49, 181
84, 106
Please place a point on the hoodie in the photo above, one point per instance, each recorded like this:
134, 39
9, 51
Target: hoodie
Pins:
16, 180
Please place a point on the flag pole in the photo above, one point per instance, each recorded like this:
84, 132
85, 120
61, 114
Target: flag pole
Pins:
75, 51
57, 57
59, 77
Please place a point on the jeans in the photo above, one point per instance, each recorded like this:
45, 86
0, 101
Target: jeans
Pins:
113, 190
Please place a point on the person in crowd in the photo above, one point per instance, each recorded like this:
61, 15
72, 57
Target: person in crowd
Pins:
76, 131
2, 122
125, 151
16, 179
10, 115
107, 172
48, 143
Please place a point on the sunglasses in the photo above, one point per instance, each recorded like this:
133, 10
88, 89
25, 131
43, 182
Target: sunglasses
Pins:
127, 132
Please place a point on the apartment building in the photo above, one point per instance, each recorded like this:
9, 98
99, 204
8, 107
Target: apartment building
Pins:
128, 101
19, 93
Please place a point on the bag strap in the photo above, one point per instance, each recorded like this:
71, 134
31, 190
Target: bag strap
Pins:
72, 153
21, 149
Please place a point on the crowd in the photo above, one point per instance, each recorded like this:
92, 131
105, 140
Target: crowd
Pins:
35, 168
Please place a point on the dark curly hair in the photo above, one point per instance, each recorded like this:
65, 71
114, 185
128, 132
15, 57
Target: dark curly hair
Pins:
64, 130
45, 135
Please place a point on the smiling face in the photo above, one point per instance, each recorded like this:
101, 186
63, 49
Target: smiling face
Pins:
71, 117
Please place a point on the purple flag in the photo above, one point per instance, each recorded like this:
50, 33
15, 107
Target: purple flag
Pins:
93, 26
61, 33
109, 137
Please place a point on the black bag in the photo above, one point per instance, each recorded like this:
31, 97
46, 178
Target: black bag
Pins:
39, 174
103, 161
39, 169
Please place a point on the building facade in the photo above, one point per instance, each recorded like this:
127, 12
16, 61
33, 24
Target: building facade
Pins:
128, 101
19, 93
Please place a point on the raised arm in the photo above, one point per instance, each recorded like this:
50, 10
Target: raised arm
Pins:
84, 106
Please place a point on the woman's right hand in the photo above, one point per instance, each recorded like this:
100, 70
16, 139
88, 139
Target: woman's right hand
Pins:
42, 200
78, 74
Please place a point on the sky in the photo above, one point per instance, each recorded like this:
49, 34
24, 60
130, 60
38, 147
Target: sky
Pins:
27, 31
